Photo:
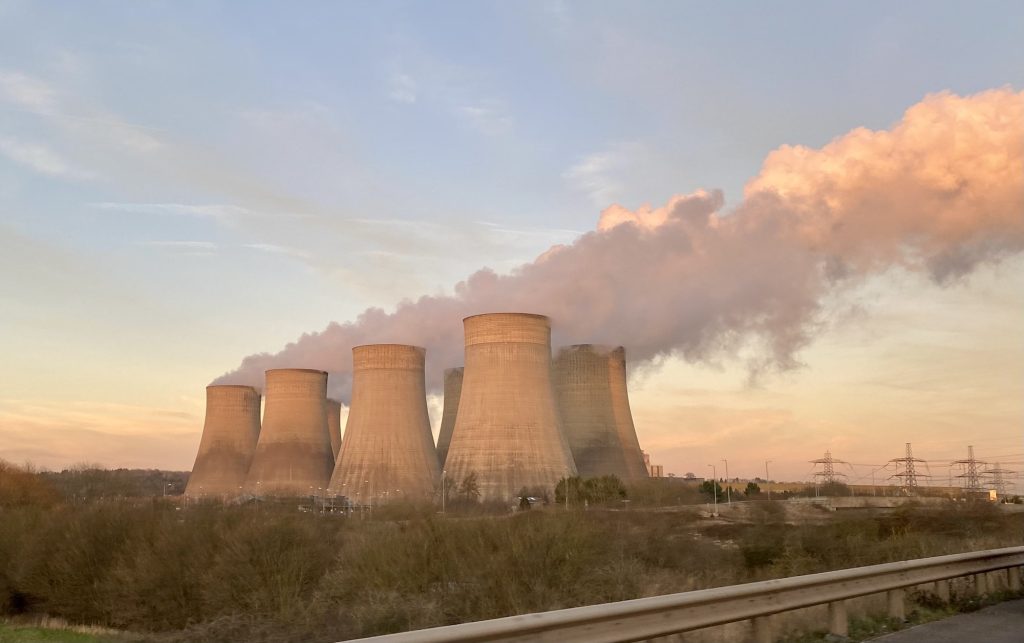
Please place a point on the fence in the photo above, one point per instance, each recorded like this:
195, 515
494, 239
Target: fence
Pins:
647, 618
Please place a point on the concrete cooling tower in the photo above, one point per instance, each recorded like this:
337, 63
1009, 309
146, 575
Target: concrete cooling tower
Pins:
230, 432
293, 456
590, 386
452, 391
334, 425
508, 431
388, 451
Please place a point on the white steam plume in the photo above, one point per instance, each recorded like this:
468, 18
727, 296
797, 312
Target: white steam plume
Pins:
942, 191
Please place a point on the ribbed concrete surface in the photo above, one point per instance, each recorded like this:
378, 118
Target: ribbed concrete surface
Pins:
230, 433
595, 411
452, 392
508, 429
334, 425
388, 452
293, 456
635, 467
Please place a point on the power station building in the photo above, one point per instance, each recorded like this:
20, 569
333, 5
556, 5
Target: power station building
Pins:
388, 452
508, 429
230, 433
452, 392
590, 386
293, 456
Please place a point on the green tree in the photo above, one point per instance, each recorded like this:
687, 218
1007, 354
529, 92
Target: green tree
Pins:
752, 489
470, 488
710, 488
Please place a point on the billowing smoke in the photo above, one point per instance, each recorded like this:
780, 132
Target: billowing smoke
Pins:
941, 192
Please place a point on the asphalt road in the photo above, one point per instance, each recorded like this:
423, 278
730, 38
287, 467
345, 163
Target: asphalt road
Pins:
1002, 623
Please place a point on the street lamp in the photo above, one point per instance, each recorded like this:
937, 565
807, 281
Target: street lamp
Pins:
767, 478
444, 474
714, 486
728, 488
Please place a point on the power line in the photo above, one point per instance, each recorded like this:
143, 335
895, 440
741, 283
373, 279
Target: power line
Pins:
828, 474
998, 479
908, 477
971, 477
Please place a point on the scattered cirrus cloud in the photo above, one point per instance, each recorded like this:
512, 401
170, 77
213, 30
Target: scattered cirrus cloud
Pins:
188, 245
212, 248
602, 175
26, 92
276, 249
42, 159
220, 212
402, 88
488, 117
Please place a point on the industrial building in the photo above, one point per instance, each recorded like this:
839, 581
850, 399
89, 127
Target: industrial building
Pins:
590, 387
293, 456
230, 433
452, 392
508, 430
388, 451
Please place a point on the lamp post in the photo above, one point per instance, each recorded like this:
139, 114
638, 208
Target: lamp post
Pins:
714, 487
728, 488
767, 484
444, 476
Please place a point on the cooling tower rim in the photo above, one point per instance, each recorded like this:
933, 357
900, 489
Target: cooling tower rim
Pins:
602, 348
223, 386
509, 314
365, 346
294, 370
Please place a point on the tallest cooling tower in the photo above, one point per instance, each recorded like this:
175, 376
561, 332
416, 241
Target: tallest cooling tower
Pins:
508, 431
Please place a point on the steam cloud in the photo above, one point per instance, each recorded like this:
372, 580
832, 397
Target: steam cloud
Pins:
941, 192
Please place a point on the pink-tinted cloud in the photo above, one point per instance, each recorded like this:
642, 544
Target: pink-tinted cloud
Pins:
943, 190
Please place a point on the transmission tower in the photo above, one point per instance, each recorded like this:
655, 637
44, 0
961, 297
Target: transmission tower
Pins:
909, 475
828, 473
971, 476
998, 479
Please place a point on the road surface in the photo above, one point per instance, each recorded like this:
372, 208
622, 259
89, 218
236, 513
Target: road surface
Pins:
1002, 623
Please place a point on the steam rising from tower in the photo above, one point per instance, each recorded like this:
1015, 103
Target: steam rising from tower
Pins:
590, 386
230, 432
388, 450
507, 431
452, 392
293, 456
811, 223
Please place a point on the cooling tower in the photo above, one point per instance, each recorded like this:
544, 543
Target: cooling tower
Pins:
388, 451
508, 430
590, 386
334, 425
293, 456
452, 391
230, 432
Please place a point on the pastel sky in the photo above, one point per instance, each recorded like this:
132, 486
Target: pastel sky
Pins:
184, 184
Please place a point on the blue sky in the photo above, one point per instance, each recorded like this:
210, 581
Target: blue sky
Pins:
185, 183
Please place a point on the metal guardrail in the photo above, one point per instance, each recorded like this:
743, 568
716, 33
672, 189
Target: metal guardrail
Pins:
646, 618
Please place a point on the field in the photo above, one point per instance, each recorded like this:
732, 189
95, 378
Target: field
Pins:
271, 573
